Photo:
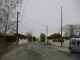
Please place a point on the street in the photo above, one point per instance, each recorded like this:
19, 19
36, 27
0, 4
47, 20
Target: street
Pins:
38, 51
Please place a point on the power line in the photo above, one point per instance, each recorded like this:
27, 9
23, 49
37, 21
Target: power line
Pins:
43, 10
24, 22
71, 9
39, 11
23, 26
33, 21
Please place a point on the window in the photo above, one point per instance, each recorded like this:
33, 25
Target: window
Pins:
55, 40
78, 42
72, 41
60, 40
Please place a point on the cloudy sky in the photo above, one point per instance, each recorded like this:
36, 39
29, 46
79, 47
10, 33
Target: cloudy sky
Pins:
47, 12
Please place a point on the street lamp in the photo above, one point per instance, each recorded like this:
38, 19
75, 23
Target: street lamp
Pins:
46, 32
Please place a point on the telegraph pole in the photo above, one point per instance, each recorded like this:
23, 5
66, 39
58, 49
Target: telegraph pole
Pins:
47, 33
32, 34
17, 30
61, 26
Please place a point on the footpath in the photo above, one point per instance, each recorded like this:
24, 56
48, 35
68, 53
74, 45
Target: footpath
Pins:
16, 53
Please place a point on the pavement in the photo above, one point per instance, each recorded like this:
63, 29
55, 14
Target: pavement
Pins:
65, 49
38, 51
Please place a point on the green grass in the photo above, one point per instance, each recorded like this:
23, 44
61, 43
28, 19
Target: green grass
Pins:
1, 40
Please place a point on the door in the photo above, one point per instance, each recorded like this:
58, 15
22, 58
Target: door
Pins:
78, 46
73, 44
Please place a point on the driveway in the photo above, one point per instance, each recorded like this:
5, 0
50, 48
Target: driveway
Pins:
38, 51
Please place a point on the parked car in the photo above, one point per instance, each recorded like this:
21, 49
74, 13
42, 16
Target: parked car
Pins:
74, 45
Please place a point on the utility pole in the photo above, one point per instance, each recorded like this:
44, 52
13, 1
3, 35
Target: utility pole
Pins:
17, 39
28, 36
61, 26
47, 33
32, 34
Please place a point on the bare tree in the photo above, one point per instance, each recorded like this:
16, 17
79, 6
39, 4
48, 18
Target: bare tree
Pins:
7, 11
77, 30
71, 30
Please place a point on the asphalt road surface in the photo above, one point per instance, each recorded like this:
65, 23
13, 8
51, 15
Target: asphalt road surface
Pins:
38, 51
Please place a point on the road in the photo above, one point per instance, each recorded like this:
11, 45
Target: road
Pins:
38, 51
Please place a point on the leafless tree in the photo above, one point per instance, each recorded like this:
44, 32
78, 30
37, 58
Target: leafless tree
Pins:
7, 14
71, 30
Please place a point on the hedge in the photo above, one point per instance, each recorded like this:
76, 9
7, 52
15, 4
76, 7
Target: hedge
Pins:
10, 39
1, 40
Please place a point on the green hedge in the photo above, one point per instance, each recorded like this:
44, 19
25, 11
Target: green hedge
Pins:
21, 36
1, 40
10, 39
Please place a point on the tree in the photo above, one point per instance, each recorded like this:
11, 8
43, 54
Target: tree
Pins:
55, 35
77, 30
34, 38
29, 36
49, 37
21, 36
7, 14
42, 37
71, 30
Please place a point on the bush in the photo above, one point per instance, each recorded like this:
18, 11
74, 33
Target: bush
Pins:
10, 39
21, 36
7, 40
2, 40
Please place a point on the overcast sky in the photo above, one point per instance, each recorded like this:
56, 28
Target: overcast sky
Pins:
48, 12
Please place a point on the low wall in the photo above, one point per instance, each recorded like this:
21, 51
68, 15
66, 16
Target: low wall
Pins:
6, 46
64, 44
9, 45
21, 41
46, 41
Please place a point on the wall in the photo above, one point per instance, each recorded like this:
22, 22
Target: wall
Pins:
9, 45
64, 44
46, 41
21, 41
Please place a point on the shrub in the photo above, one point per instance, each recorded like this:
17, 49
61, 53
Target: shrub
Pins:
10, 39
1, 40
